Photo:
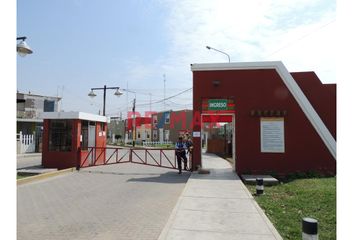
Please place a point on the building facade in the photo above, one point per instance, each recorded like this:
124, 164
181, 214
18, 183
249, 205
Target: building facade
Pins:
142, 130
169, 125
283, 122
29, 108
29, 123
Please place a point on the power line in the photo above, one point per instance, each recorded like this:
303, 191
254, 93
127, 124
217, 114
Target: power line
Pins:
117, 110
300, 38
162, 100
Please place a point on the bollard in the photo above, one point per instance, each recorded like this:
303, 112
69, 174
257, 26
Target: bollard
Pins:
309, 229
259, 186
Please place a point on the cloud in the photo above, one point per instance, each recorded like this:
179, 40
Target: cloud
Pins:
298, 32
252, 31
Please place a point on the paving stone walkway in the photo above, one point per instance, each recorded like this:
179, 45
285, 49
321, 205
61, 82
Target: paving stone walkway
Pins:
121, 201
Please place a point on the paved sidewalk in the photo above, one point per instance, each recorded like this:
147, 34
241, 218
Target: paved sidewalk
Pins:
28, 160
217, 206
31, 155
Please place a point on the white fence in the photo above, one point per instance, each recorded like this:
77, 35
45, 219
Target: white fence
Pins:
25, 143
152, 144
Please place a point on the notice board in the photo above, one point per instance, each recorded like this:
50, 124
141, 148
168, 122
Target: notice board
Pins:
272, 135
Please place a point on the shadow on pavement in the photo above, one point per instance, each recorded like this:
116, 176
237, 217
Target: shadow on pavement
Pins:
169, 177
118, 173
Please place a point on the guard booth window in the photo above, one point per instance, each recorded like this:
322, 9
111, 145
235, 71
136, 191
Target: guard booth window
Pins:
84, 135
60, 135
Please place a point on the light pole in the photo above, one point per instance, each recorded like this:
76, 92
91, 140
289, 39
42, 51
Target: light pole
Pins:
22, 48
119, 93
92, 94
134, 119
208, 47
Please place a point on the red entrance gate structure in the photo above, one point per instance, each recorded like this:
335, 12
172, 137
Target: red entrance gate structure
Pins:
96, 156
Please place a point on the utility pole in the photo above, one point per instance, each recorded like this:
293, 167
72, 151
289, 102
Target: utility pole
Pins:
150, 101
127, 101
134, 127
164, 92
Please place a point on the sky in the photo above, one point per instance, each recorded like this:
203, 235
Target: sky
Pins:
138, 44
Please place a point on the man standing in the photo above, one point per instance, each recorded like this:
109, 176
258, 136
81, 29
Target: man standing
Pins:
189, 145
181, 153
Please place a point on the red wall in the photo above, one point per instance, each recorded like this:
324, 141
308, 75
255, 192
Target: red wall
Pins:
100, 142
55, 159
138, 122
321, 96
265, 90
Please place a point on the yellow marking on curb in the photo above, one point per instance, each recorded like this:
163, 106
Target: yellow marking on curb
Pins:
43, 176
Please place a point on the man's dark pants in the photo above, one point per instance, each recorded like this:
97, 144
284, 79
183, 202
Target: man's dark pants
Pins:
181, 155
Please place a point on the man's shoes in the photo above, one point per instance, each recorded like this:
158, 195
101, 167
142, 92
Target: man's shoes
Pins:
180, 172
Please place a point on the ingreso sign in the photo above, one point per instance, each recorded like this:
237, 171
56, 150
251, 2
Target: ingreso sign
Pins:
217, 104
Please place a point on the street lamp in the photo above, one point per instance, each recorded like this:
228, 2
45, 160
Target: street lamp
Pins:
92, 94
22, 48
218, 51
119, 93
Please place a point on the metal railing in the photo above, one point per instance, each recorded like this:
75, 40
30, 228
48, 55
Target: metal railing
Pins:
154, 143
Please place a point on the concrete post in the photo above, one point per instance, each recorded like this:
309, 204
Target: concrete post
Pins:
309, 229
259, 186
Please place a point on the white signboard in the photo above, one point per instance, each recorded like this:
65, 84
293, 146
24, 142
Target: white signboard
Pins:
196, 134
272, 135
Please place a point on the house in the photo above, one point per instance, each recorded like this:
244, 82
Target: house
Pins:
169, 125
29, 108
142, 130
29, 122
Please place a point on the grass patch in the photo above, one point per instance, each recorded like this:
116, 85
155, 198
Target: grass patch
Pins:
286, 204
20, 176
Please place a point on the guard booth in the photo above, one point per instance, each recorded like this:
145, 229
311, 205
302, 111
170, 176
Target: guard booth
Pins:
68, 136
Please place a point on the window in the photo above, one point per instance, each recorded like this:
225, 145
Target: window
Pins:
102, 127
147, 134
48, 106
167, 117
154, 134
60, 135
84, 135
138, 134
154, 122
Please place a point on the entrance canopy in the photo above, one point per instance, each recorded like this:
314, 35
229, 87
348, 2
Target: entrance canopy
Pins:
216, 118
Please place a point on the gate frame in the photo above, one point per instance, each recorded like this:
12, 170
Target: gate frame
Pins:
147, 152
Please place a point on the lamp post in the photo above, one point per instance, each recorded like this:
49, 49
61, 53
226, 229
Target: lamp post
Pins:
92, 94
119, 93
208, 47
134, 119
22, 47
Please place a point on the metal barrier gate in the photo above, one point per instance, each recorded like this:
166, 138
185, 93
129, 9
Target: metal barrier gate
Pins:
95, 156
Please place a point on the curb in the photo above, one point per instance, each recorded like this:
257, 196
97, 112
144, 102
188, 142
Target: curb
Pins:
265, 218
43, 176
168, 225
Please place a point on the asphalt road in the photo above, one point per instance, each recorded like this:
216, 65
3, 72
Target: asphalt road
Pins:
118, 201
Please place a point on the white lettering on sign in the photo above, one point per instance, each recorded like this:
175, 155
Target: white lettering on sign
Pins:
272, 135
217, 105
196, 134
